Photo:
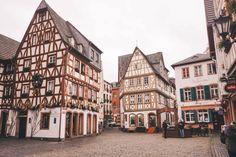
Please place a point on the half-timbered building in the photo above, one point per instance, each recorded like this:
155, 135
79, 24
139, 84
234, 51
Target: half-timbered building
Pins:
8, 49
147, 97
56, 80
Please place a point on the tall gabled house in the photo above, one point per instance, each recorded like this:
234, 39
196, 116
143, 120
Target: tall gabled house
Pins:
56, 79
146, 93
8, 49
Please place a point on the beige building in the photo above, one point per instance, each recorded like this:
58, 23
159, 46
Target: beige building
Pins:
147, 97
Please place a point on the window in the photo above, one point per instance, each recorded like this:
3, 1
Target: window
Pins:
34, 39
80, 48
203, 116
197, 70
9, 68
81, 91
95, 75
77, 65
200, 93
187, 94
42, 15
90, 73
214, 91
45, 118
97, 58
211, 68
132, 120
139, 81
94, 96
189, 116
147, 98
145, 80
140, 120
140, 100
50, 86
131, 82
132, 97
51, 60
47, 36
73, 89
185, 72
27, 63
8, 91
89, 94
82, 69
92, 54
25, 89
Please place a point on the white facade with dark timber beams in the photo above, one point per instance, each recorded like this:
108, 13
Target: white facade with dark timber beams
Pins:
56, 81
146, 92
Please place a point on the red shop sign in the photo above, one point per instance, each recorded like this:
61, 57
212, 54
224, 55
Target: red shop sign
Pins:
230, 88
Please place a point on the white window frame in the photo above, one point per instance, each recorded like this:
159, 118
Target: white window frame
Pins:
25, 89
211, 68
140, 99
8, 90
52, 59
191, 116
27, 63
50, 85
81, 91
198, 70
203, 116
131, 82
145, 80
147, 98
185, 72
200, 93
214, 91
132, 99
187, 94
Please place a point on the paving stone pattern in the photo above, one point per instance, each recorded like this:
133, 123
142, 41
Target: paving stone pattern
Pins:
111, 143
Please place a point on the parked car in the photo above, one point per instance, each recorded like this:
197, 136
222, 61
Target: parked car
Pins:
229, 138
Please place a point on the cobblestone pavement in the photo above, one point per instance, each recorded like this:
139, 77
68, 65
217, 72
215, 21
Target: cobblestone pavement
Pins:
217, 148
112, 143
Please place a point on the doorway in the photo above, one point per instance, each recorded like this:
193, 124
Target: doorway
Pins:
152, 120
68, 124
23, 121
3, 124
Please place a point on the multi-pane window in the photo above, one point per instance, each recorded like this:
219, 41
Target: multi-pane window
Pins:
132, 98
90, 94
81, 91
7, 90
25, 89
203, 116
80, 48
139, 81
185, 72
97, 58
42, 15
211, 68
189, 116
147, 98
197, 70
140, 100
50, 86
145, 80
45, 118
214, 91
92, 54
187, 94
131, 82
27, 63
200, 93
94, 95
90, 73
77, 65
73, 89
95, 75
52, 59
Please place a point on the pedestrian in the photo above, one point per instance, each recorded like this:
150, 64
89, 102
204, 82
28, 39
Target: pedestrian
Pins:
230, 140
181, 128
164, 126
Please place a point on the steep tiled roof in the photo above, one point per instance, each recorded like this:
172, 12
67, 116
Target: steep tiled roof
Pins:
193, 59
8, 47
67, 30
154, 60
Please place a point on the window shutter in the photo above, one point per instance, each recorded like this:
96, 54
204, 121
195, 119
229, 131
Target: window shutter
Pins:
210, 115
183, 116
181, 94
195, 116
193, 93
207, 92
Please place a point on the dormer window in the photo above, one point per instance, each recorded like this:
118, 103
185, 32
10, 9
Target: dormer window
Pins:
71, 41
92, 54
97, 58
9, 68
77, 66
80, 48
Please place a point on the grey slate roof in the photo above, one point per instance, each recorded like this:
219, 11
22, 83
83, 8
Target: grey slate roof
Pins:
193, 59
67, 30
154, 60
8, 47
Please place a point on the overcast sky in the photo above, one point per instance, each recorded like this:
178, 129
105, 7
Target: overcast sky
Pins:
176, 28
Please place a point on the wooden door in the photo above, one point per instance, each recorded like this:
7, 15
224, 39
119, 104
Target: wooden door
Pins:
3, 124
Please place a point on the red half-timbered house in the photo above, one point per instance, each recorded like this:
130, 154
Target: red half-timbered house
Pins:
56, 80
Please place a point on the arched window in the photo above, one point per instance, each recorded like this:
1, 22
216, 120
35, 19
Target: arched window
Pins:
132, 120
140, 120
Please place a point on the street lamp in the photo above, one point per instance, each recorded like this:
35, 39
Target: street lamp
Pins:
222, 25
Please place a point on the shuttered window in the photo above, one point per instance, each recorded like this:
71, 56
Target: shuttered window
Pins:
207, 92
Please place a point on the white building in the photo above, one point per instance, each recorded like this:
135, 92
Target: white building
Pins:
197, 90
146, 92
107, 102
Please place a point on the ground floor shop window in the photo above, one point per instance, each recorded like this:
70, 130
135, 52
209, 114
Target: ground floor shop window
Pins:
152, 120
132, 120
189, 116
140, 120
203, 116
45, 118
